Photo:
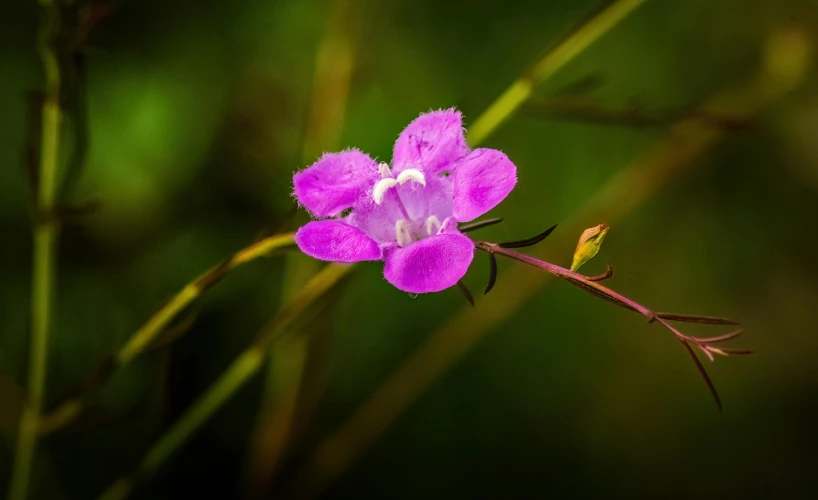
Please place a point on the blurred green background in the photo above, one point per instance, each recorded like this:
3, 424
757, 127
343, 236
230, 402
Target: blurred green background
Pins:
185, 121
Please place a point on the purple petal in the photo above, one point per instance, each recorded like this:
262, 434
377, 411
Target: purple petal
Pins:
429, 265
377, 221
435, 198
334, 183
481, 181
432, 143
336, 241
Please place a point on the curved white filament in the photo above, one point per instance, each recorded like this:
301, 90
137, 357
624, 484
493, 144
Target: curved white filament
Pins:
412, 174
381, 187
432, 225
403, 232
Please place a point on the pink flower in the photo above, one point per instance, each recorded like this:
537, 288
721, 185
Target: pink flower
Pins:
405, 214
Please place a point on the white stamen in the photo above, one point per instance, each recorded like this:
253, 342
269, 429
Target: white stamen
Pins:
432, 225
384, 170
403, 232
411, 174
381, 187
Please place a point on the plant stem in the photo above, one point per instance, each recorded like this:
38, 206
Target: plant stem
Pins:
239, 372
589, 284
573, 277
69, 409
44, 256
275, 428
521, 89
242, 368
145, 335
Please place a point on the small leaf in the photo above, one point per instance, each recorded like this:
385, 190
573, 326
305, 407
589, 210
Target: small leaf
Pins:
465, 291
705, 376
465, 228
530, 241
492, 272
588, 245
705, 320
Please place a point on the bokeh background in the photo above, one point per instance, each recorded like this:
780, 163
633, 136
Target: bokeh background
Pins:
184, 123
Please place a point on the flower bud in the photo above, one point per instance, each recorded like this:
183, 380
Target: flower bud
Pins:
588, 245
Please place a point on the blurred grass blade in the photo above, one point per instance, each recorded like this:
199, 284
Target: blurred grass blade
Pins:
589, 32
239, 372
70, 408
44, 250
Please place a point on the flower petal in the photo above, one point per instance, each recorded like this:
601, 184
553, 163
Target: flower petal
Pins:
435, 198
377, 221
481, 181
335, 182
336, 241
429, 265
432, 143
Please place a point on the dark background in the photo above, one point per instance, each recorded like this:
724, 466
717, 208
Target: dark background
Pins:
197, 113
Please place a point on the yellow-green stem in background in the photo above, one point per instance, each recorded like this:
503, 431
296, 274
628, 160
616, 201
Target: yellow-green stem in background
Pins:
275, 428
555, 59
44, 256
71, 408
239, 372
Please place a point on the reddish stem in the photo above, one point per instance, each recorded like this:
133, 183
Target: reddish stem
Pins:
591, 284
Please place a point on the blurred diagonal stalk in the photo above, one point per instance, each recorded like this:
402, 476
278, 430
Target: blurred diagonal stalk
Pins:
69, 409
275, 429
44, 254
551, 62
631, 116
787, 57
334, 62
240, 371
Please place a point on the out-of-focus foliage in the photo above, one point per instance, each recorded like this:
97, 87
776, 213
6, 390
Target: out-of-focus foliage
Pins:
197, 114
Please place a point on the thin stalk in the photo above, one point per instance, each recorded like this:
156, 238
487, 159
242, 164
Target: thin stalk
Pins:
276, 426
239, 372
631, 116
44, 255
555, 59
590, 284
68, 410
568, 275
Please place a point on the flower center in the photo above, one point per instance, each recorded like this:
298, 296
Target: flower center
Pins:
407, 230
